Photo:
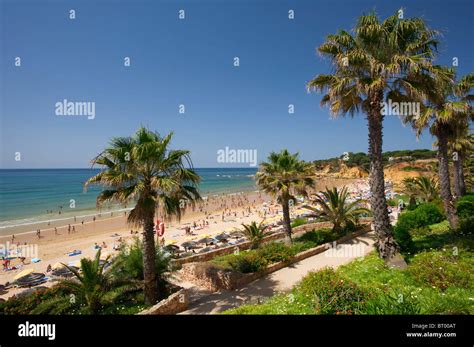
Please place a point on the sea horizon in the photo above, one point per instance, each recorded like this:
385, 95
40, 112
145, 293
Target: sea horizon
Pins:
31, 196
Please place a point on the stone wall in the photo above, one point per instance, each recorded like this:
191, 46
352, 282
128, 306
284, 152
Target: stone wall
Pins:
210, 277
174, 304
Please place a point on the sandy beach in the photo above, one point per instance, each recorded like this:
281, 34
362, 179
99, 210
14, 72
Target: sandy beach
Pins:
214, 215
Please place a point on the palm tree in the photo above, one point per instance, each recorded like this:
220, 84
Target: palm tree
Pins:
335, 208
422, 187
283, 176
460, 143
446, 106
371, 64
255, 233
91, 283
144, 170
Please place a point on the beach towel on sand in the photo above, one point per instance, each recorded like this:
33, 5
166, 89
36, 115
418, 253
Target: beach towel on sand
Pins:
73, 253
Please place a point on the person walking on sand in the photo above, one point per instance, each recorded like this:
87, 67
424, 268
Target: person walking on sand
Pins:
55, 231
13, 238
38, 233
69, 228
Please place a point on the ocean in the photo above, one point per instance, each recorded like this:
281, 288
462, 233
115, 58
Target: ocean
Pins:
27, 195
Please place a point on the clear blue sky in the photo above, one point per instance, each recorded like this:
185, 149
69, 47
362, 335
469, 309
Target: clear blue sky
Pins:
189, 62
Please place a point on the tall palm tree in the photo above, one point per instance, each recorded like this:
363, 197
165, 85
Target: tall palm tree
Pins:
368, 65
283, 176
422, 187
446, 105
335, 208
144, 170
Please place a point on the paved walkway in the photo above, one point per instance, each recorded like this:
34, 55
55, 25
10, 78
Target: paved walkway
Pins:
205, 302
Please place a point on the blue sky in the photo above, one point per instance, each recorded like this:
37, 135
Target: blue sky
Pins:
189, 62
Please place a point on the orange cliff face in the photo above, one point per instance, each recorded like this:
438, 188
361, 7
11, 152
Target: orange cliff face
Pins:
394, 172
397, 172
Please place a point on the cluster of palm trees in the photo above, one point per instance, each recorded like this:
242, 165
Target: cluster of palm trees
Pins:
393, 60
379, 60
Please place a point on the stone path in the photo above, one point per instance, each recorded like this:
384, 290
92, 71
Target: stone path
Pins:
205, 302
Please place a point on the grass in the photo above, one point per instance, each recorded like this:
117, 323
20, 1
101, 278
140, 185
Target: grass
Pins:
439, 279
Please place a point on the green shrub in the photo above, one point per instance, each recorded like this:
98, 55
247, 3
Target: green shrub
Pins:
422, 216
248, 262
26, 305
465, 208
332, 293
318, 236
298, 221
275, 252
466, 225
442, 269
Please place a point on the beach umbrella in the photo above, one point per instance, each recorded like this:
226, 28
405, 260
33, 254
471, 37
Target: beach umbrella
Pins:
221, 237
57, 266
171, 248
23, 274
236, 234
206, 240
76, 263
190, 245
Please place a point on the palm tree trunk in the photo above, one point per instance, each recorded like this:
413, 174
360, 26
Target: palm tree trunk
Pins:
456, 178
444, 181
149, 275
462, 182
286, 217
386, 245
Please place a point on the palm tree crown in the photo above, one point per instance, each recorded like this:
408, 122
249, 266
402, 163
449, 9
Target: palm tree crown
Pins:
335, 207
283, 176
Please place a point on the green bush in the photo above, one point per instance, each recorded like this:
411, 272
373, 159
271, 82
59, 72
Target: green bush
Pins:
54, 300
442, 269
298, 221
465, 206
332, 293
422, 216
275, 252
248, 262
466, 225
318, 236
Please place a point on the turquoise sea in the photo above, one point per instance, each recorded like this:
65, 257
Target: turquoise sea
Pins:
27, 194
